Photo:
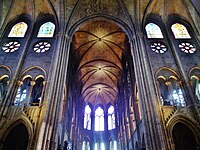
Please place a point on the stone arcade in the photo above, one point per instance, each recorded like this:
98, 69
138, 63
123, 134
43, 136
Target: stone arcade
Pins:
100, 74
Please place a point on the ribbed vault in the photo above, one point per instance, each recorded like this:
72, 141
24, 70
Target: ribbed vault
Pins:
98, 47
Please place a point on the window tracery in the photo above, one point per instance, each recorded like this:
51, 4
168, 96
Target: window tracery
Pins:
42, 47
158, 47
111, 118
187, 47
171, 93
10, 47
99, 119
87, 118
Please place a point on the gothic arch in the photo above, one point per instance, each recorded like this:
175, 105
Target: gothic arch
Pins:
21, 18
4, 70
166, 73
35, 71
192, 125
175, 18
5, 130
195, 71
115, 20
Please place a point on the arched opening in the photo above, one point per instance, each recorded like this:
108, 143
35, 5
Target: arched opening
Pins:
183, 138
100, 73
17, 138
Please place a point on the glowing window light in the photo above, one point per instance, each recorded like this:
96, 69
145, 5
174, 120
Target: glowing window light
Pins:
102, 146
96, 146
153, 31
99, 119
83, 146
111, 118
18, 30
178, 98
87, 118
46, 30
180, 31
115, 145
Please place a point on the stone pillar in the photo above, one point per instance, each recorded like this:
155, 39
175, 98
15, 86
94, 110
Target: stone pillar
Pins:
53, 96
154, 136
30, 92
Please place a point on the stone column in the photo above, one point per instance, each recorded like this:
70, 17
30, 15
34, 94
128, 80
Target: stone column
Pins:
53, 96
153, 130
30, 92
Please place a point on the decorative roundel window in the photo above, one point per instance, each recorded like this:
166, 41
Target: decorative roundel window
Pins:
10, 47
158, 47
42, 47
187, 47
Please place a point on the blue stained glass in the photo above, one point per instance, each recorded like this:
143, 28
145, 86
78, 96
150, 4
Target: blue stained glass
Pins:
153, 31
46, 30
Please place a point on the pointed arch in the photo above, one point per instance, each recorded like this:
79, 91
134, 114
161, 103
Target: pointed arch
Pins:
10, 125
87, 117
46, 30
35, 71
180, 31
194, 75
111, 117
18, 30
153, 31
99, 119
181, 118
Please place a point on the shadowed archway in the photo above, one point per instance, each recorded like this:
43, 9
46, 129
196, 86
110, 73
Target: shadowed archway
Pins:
183, 137
17, 138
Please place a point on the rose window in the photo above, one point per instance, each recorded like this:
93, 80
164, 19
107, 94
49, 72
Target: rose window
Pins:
158, 48
42, 47
10, 46
187, 47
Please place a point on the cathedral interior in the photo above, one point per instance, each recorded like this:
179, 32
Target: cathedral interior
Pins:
99, 74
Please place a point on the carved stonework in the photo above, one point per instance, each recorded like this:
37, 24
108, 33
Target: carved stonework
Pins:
169, 112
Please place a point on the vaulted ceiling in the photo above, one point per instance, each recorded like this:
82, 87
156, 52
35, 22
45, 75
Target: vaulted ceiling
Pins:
98, 47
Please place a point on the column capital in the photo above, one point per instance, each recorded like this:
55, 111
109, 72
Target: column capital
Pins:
19, 82
32, 83
44, 83
168, 83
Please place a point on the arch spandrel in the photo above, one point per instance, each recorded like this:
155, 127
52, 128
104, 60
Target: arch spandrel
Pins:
100, 8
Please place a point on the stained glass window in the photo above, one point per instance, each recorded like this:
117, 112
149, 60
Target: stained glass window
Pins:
180, 31
18, 30
37, 90
42, 47
23, 92
46, 30
158, 47
11, 46
187, 47
99, 119
87, 118
111, 118
177, 94
153, 31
